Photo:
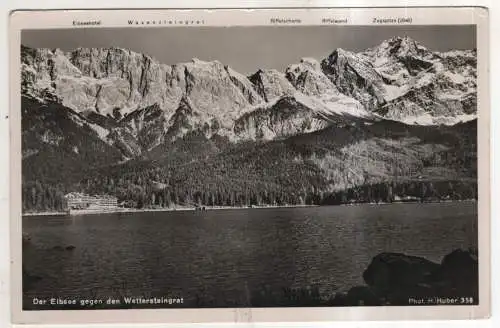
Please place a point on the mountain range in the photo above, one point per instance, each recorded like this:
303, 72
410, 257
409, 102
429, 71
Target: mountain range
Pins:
395, 110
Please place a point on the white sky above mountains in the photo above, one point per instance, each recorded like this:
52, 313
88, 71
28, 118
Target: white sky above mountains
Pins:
247, 49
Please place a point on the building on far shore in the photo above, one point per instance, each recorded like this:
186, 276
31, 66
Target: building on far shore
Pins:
80, 201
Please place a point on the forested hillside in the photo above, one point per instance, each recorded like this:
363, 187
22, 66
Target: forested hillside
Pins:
384, 161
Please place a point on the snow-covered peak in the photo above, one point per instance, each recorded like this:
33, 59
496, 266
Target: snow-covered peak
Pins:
459, 53
339, 55
341, 59
345, 66
311, 63
339, 52
399, 47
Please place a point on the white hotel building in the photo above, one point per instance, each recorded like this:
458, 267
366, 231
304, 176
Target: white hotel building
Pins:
75, 200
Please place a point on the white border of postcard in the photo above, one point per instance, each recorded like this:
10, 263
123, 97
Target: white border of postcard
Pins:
222, 17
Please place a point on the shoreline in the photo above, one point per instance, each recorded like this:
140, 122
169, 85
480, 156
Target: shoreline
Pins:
44, 214
165, 209
472, 200
211, 208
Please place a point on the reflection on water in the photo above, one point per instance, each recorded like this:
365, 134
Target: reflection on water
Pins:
226, 257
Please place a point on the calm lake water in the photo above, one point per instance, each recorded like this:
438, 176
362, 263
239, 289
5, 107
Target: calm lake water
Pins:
224, 257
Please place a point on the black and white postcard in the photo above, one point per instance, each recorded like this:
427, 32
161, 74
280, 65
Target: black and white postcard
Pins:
268, 164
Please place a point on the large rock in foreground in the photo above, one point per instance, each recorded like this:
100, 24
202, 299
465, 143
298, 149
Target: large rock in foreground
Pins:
395, 278
389, 271
460, 271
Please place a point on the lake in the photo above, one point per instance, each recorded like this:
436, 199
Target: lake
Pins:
221, 258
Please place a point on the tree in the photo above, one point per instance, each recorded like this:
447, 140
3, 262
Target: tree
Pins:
390, 195
168, 198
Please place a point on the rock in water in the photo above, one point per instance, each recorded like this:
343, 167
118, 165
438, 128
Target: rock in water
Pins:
394, 278
459, 270
393, 271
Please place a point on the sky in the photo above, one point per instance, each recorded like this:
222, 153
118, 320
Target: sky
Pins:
246, 49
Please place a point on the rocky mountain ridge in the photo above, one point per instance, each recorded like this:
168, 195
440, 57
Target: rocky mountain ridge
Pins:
135, 103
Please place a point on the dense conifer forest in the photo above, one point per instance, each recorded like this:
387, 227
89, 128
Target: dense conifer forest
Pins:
195, 170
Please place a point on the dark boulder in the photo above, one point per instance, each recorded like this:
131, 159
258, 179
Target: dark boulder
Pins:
459, 274
394, 271
394, 278
460, 266
70, 247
